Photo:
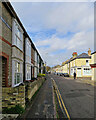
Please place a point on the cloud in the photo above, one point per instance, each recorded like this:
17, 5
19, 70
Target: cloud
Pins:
58, 28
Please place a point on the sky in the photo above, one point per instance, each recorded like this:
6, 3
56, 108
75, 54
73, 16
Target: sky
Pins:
58, 28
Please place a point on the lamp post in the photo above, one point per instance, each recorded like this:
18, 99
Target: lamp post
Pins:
45, 61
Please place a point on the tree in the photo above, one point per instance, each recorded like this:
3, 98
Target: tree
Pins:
48, 68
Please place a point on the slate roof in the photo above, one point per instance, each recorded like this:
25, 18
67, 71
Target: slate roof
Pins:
83, 55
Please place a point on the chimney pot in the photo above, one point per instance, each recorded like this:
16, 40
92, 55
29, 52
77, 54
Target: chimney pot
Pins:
89, 52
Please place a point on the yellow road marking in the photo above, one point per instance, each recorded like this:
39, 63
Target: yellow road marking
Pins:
58, 94
64, 106
59, 101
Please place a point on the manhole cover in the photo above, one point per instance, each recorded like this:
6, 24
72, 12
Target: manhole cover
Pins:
72, 95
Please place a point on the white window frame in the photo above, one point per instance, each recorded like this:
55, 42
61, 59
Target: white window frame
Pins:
14, 72
28, 48
87, 70
87, 63
28, 72
16, 39
72, 71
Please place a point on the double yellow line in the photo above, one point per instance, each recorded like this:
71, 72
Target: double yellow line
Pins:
60, 100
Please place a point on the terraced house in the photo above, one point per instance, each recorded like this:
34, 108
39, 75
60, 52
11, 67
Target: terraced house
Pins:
79, 64
65, 67
5, 46
19, 58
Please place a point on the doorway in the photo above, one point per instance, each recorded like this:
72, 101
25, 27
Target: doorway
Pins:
3, 70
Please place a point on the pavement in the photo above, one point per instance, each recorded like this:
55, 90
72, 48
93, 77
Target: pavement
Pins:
42, 105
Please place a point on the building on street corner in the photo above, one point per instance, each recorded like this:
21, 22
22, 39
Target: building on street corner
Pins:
81, 65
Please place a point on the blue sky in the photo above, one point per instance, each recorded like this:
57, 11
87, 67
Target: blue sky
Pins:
58, 29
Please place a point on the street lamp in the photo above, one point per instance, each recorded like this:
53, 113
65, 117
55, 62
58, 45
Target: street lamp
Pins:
45, 61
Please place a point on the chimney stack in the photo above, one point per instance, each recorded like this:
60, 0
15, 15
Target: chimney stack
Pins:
74, 54
89, 52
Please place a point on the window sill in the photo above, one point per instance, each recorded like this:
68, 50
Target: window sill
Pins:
17, 48
17, 84
28, 80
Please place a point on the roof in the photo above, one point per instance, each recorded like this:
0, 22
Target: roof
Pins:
65, 62
83, 55
69, 60
93, 53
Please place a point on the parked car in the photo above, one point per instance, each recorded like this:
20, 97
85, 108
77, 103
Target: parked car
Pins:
61, 74
58, 73
66, 74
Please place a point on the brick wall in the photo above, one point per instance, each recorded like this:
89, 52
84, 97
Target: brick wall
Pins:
32, 87
13, 96
6, 38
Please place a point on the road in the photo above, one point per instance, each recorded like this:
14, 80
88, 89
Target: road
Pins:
77, 97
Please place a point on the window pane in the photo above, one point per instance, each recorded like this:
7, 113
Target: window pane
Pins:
18, 73
15, 79
18, 32
86, 61
18, 77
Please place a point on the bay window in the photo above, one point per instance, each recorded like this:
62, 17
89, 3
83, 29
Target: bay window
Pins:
28, 48
17, 35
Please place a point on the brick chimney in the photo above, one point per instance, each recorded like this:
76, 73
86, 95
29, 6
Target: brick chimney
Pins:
74, 54
89, 52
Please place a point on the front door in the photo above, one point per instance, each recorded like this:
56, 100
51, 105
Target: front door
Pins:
78, 72
3, 70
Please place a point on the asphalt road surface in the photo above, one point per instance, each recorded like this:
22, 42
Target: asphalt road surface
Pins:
78, 97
